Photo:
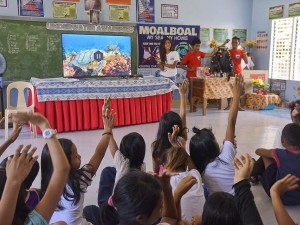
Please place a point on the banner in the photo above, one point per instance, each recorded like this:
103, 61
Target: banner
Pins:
150, 36
32, 8
145, 11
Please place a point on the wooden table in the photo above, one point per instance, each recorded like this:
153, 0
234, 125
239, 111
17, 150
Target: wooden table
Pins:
209, 88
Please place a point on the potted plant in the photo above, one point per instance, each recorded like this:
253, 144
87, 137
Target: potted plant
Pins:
259, 87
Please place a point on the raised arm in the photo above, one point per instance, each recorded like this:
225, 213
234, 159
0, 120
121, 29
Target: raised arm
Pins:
236, 90
182, 112
245, 57
108, 120
11, 139
288, 183
17, 169
113, 147
61, 166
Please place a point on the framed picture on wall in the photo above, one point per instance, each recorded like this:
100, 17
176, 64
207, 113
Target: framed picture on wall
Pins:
169, 11
3, 3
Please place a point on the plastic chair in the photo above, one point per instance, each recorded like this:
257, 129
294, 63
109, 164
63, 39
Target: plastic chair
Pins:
20, 86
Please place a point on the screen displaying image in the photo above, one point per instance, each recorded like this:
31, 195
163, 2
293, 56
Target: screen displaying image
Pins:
96, 55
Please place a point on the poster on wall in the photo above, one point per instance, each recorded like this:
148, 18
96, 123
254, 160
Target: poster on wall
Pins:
33, 8
3, 3
261, 41
64, 10
119, 2
220, 35
240, 33
204, 35
294, 9
145, 11
150, 36
94, 16
92, 4
276, 12
278, 87
67, 0
119, 12
169, 11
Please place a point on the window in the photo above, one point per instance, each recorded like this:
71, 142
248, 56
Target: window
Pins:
285, 49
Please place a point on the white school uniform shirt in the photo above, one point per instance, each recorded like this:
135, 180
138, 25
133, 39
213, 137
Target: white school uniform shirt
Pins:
193, 201
219, 174
72, 214
122, 165
171, 57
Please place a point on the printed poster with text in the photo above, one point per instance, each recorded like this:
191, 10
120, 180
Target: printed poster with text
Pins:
145, 11
64, 10
240, 33
119, 12
150, 36
33, 8
119, 2
220, 35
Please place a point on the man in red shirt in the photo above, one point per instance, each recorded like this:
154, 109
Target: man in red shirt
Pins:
237, 54
191, 61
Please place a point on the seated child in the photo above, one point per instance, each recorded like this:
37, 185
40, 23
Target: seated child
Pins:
280, 162
192, 202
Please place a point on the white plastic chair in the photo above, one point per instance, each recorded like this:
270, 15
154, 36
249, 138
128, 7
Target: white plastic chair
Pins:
20, 86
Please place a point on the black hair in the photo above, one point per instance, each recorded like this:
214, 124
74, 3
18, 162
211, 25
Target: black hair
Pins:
236, 38
30, 177
162, 49
220, 208
133, 147
203, 148
22, 210
196, 41
291, 134
161, 145
136, 193
292, 106
75, 178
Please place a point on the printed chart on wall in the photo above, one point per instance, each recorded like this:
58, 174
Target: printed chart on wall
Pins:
119, 12
3, 3
220, 35
262, 41
145, 11
150, 36
278, 87
169, 11
33, 8
204, 35
276, 12
240, 33
120, 2
64, 10
294, 9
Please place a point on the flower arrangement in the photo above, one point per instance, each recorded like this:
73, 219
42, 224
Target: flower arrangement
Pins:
260, 87
251, 44
213, 43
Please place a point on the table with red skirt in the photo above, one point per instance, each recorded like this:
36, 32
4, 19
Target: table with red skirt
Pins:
75, 105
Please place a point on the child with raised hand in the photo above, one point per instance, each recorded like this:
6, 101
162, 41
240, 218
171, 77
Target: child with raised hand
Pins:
11, 139
71, 202
162, 145
178, 161
286, 184
215, 164
280, 162
13, 209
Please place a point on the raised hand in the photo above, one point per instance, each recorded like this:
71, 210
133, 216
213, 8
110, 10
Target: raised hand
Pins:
106, 105
288, 183
19, 166
237, 86
173, 137
242, 168
34, 118
16, 132
183, 87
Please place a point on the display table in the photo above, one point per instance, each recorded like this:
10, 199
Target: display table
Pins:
209, 88
257, 101
72, 105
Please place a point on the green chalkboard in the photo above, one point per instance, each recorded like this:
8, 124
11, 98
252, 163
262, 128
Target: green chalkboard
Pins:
31, 50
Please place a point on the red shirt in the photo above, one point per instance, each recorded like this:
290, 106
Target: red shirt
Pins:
237, 56
192, 60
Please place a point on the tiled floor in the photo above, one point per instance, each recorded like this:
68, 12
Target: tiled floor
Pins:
253, 130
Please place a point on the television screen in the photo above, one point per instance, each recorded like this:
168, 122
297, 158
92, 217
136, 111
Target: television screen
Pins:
96, 55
